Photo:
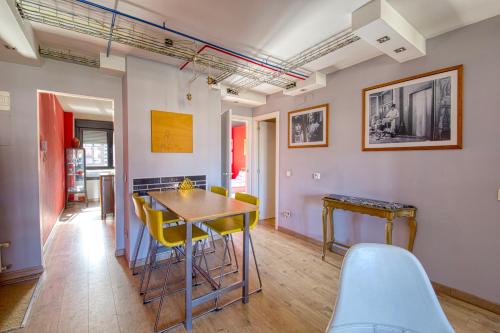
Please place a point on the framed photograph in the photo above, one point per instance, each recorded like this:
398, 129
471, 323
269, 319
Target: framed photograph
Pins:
415, 113
308, 127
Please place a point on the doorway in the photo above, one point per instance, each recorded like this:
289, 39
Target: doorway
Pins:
266, 166
76, 152
236, 148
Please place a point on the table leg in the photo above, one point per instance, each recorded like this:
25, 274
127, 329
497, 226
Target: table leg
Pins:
331, 233
246, 255
325, 241
188, 315
388, 231
412, 222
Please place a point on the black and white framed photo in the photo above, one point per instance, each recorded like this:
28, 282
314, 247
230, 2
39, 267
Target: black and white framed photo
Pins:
415, 113
308, 127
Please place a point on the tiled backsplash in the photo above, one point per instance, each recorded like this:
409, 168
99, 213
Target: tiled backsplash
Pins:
143, 185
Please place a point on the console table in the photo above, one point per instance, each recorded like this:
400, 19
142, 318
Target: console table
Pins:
383, 209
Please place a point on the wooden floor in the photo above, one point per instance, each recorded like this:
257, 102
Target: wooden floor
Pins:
85, 288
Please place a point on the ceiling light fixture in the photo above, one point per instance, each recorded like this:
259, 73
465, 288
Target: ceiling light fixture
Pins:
401, 49
383, 39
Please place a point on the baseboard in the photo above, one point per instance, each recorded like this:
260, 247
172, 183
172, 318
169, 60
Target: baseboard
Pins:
466, 297
20, 275
300, 236
438, 287
47, 243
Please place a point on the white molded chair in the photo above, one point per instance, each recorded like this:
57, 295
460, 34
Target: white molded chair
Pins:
384, 289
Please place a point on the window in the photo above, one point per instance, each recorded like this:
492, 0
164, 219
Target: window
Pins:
95, 143
96, 138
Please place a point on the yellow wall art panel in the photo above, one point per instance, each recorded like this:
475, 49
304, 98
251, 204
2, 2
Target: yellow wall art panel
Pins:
171, 132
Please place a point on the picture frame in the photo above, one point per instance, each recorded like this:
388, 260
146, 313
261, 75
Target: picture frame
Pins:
308, 128
420, 112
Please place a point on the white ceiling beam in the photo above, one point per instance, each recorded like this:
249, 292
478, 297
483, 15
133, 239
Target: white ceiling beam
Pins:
15, 32
379, 24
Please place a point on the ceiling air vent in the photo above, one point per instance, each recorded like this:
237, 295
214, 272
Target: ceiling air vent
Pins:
316, 80
232, 91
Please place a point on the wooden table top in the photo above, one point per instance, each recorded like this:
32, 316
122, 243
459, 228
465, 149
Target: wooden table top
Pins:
199, 205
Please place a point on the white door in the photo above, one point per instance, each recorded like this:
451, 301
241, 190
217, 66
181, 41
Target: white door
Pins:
266, 168
226, 150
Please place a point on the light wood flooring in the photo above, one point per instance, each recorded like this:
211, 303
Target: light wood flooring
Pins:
85, 288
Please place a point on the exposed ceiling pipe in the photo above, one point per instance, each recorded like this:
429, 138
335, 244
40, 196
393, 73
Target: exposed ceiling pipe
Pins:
251, 61
163, 27
113, 20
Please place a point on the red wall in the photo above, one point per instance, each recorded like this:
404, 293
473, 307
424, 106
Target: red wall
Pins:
68, 129
52, 185
238, 134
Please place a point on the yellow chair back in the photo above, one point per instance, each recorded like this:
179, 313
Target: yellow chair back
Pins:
138, 204
186, 184
253, 200
154, 221
219, 190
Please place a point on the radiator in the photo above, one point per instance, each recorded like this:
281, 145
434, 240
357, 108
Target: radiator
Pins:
2, 266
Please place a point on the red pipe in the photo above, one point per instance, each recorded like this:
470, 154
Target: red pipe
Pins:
241, 58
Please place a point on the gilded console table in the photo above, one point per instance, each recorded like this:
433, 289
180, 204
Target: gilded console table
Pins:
383, 209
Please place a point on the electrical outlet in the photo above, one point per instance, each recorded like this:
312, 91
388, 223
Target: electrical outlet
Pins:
286, 214
316, 175
288, 173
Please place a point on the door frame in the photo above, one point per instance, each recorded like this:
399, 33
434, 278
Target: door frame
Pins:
255, 152
118, 225
249, 137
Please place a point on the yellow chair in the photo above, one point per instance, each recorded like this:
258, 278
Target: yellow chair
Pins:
230, 225
173, 238
168, 217
219, 190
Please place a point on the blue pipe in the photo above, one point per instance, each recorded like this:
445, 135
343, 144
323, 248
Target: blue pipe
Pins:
163, 27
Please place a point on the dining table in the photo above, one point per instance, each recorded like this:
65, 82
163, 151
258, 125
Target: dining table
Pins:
194, 206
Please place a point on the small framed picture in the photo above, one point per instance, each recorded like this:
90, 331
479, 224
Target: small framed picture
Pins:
414, 113
308, 127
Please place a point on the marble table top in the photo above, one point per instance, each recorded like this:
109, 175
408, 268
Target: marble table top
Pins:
368, 202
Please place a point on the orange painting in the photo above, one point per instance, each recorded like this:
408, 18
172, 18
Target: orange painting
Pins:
171, 132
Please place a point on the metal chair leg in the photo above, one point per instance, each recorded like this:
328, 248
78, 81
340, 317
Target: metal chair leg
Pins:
256, 267
137, 248
234, 252
163, 293
146, 263
152, 263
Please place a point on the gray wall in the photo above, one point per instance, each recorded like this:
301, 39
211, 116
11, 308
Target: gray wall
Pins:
155, 86
19, 218
455, 191
237, 110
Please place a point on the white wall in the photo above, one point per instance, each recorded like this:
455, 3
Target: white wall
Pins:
455, 191
237, 110
19, 217
155, 86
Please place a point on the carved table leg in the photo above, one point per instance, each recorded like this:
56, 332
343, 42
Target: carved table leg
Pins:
388, 230
412, 222
325, 240
331, 234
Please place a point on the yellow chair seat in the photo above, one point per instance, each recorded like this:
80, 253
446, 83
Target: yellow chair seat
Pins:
227, 225
169, 217
176, 235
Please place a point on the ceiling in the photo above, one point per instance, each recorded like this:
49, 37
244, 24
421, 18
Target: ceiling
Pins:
86, 105
278, 28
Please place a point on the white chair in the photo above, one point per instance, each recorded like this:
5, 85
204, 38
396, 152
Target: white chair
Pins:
384, 289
